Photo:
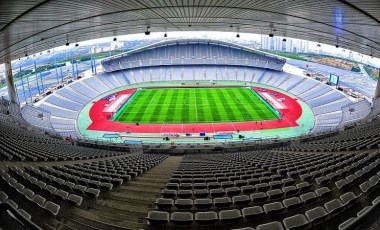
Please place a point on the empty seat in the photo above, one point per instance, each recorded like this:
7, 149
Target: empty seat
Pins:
342, 184
173, 186
309, 198
323, 192
157, 218
183, 203
74, 200
334, 206
203, 203
275, 194
218, 192
247, 189
24, 214
290, 190
186, 186
181, 218
62, 195
348, 198
206, 218
241, 200
292, 203
316, 214
253, 213
273, 208
184, 194
298, 221
39, 200
51, 208
259, 197
366, 186
230, 216
222, 202
233, 191
93, 192
168, 193
3, 197
304, 186
275, 225
201, 193
163, 203
227, 184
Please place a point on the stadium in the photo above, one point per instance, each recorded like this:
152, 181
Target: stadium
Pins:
189, 133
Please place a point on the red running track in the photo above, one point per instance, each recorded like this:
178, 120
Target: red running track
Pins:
101, 120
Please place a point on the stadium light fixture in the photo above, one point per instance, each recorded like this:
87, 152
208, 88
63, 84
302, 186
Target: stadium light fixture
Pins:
271, 35
147, 32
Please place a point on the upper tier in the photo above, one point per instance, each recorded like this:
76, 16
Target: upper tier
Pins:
193, 52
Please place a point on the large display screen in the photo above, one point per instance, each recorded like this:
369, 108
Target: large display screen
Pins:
334, 79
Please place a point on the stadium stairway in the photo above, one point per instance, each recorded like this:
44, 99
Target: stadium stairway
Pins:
126, 206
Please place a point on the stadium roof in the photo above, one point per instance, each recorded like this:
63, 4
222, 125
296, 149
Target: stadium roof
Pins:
35, 25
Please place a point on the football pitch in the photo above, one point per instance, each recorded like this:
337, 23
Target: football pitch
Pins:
195, 105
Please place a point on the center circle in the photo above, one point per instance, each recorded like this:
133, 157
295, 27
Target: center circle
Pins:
195, 101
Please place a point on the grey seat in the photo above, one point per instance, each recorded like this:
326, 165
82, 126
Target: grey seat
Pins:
39, 200
164, 204
309, 198
51, 208
241, 200
259, 197
93, 192
157, 218
230, 216
298, 221
201, 193
28, 194
206, 218
316, 214
61, 195
342, 184
222, 202
74, 200
273, 208
275, 194
253, 213
233, 191
334, 206
183, 203
181, 218
247, 189
184, 194
323, 192
24, 214
275, 225
168, 193
366, 187
292, 203
348, 198
204, 203
304, 186
3, 197
218, 192
290, 190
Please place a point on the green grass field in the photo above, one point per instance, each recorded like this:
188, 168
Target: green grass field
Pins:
194, 105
